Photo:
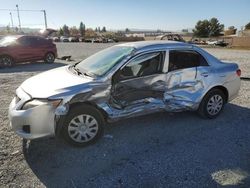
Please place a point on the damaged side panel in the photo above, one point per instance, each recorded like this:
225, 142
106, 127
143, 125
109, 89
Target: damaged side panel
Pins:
172, 91
175, 91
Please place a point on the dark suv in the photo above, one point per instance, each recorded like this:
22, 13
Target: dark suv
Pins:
22, 48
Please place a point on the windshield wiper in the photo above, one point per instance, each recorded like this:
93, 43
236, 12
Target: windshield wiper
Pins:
87, 74
79, 72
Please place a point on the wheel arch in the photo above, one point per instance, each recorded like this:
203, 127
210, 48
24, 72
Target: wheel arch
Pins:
49, 52
103, 112
222, 88
8, 56
61, 119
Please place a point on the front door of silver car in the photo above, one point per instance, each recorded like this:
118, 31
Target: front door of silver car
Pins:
139, 80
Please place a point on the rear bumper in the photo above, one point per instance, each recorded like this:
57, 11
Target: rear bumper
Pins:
31, 123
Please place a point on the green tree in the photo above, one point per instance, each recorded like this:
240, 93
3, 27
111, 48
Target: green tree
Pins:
96, 29
205, 28
215, 27
65, 30
104, 29
231, 28
202, 28
247, 26
73, 31
82, 29
60, 32
127, 30
8, 28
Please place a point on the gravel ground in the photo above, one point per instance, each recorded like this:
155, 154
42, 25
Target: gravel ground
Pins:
158, 150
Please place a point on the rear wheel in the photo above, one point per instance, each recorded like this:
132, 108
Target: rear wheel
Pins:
212, 104
6, 61
49, 57
83, 126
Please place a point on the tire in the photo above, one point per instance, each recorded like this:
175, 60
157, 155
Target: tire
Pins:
212, 104
76, 131
49, 57
6, 61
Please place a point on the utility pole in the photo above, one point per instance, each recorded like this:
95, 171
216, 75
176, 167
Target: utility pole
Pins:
18, 17
45, 19
11, 21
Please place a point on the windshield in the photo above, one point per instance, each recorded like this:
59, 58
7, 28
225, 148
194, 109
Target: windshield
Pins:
7, 40
101, 62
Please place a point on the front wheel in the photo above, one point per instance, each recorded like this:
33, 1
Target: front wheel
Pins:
49, 57
83, 126
6, 61
212, 104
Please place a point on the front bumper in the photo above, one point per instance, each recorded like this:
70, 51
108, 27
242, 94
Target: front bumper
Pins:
40, 120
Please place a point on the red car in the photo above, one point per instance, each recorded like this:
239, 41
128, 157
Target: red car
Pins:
22, 48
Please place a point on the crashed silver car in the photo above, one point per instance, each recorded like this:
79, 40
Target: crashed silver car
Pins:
122, 81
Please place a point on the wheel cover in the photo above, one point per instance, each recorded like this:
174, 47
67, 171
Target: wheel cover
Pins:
50, 57
214, 105
5, 61
83, 128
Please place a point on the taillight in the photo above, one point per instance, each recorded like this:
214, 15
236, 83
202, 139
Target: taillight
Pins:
238, 72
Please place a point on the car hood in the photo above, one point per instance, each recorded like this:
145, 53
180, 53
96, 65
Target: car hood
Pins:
54, 82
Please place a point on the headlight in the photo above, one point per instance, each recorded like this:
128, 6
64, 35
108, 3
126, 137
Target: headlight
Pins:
37, 102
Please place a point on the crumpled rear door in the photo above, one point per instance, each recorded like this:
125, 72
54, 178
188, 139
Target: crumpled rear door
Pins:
182, 89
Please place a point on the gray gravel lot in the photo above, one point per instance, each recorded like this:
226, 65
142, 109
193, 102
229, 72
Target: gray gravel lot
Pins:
158, 150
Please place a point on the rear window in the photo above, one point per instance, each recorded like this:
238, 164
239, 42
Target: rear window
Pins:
32, 41
180, 59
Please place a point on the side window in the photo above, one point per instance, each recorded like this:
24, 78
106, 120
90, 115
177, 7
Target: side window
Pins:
41, 41
25, 41
143, 65
33, 41
185, 59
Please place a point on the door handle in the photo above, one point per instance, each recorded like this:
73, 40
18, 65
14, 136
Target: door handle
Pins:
204, 74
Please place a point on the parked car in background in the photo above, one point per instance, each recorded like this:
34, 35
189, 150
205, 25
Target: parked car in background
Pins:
170, 36
73, 39
111, 41
107, 40
56, 39
197, 41
22, 48
88, 40
212, 42
81, 39
97, 40
221, 43
122, 81
64, 39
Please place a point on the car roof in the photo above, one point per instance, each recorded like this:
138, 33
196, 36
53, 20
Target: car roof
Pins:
154, 44
19, 36
14, 36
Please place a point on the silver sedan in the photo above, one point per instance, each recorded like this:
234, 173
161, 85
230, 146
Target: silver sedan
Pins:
122, 81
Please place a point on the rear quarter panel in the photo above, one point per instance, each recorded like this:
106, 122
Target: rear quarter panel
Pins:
224, 74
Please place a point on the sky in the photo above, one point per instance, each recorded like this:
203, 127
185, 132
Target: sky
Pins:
168, 15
